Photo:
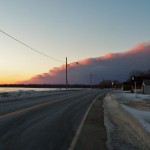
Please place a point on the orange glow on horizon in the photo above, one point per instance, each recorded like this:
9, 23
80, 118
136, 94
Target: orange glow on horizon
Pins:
7, 81
12, 80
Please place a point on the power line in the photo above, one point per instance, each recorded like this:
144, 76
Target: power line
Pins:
30, 47
19, 41
10, 36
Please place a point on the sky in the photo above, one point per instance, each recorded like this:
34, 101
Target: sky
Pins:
77, 29
112, 66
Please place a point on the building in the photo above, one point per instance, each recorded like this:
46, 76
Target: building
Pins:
146, 86
137, 83
126, 86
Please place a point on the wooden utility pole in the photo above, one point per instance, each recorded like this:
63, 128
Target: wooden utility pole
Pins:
66, 74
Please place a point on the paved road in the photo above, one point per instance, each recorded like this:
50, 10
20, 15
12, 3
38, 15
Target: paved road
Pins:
47, 123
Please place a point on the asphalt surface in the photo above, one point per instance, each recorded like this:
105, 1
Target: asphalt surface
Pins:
93, 135
45, 123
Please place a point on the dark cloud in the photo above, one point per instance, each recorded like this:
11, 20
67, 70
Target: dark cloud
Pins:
111, 66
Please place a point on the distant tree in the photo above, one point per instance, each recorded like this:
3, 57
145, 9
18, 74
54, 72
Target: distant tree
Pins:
105, 84
116, 84
109, 84
139, 73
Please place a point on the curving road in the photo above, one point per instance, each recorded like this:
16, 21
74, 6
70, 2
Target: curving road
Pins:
44, 123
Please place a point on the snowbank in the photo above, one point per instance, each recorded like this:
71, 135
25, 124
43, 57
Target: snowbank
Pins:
127, 128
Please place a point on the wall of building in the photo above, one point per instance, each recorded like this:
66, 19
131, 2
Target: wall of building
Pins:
147, 89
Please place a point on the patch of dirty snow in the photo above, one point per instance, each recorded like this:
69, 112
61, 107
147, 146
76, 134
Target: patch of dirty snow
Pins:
122, 129
128, 96
142, 116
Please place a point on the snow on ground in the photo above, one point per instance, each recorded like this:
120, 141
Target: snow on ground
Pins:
23, 94
127, 119
18, 95
142, 116
128, 96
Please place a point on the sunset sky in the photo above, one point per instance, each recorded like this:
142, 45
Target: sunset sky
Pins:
78, 29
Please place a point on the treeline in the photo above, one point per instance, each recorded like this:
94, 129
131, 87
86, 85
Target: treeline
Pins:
139, 74
102, 84
49, 85
110, 84
117, 84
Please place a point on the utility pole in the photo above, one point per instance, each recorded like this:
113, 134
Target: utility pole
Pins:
66, 74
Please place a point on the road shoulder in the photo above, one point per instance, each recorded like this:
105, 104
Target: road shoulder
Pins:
93, 135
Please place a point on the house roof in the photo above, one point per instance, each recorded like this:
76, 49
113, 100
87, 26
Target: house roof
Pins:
146, 82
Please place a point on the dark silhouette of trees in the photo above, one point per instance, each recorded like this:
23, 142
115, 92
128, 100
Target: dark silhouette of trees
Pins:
140, 73
110, 84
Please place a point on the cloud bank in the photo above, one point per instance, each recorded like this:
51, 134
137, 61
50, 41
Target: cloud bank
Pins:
110, 66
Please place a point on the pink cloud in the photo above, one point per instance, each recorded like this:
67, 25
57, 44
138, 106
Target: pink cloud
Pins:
108, 56
85, 61
143, 46
110, 66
